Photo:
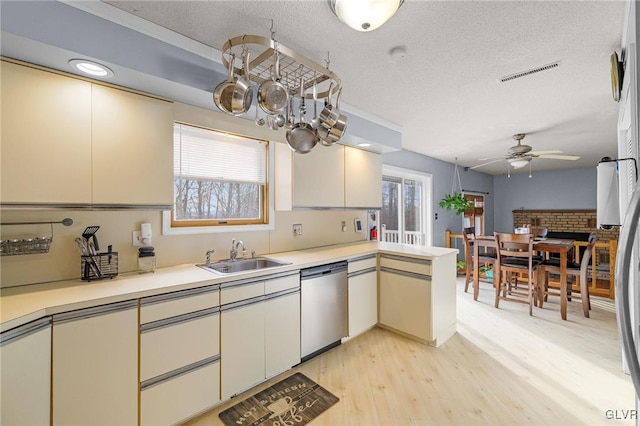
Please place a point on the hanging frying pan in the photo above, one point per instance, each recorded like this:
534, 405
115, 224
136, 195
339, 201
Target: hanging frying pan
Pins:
223, 92
272, 94
242, 91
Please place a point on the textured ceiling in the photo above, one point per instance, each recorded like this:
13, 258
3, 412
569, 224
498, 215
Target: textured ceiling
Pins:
445, 93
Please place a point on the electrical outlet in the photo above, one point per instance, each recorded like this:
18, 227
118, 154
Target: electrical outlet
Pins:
135, 239
297, 229
344, 226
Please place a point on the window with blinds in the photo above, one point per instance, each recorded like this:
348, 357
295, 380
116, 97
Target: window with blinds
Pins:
219, 178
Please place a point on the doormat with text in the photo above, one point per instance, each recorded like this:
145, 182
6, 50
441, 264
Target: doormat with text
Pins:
295, 400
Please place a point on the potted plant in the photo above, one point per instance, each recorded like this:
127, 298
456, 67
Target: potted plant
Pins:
487, 271
456, 202
461, 266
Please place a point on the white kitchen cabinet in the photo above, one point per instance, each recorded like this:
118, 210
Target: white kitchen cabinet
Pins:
179, 355
69, 142
260, 335
46, 137
362, 178
95, 365
242, 344
25, 382
132, 148
328, 177
409, 290
282, 324
363, 294
180, 397
318, 177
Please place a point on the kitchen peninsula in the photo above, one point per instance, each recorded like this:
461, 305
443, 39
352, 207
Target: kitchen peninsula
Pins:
413, 289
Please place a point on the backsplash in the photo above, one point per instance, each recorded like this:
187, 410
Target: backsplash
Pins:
319, 228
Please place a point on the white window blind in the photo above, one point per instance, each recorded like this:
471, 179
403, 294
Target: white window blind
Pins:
210, 155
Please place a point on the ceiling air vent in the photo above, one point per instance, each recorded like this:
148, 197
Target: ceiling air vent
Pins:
529, 72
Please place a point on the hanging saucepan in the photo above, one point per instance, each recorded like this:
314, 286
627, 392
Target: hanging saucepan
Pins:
302, 137
242, 91
329, 115
272, 94
223, 92
331, 134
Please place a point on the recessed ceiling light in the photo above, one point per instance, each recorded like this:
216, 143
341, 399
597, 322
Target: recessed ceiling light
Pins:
364, 144
91, 68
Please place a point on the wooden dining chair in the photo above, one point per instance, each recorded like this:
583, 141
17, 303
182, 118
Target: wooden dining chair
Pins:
485, 257
576, 270
516, 256
539, 231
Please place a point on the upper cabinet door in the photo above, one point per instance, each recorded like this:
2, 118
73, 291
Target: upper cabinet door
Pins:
318, 177
46, 137
363, 178
132, 148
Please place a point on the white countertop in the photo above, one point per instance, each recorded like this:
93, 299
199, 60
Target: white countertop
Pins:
20, 305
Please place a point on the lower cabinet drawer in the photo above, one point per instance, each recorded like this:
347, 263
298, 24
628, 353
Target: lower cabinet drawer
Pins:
173, 346
182, 397
282, 283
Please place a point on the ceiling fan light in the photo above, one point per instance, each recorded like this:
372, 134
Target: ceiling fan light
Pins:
365, 15
518, 164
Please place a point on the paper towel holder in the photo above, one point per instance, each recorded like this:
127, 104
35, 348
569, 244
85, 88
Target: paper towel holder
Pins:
615, 160
608, 195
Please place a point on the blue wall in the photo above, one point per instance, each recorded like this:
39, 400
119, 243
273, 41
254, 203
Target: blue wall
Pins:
554, 190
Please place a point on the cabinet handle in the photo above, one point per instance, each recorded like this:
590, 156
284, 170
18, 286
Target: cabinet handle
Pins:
150, 300
362, 272
282, 293
178, 319
365, 257
405, 273
406, 259
94, 312
178, 372
241, 303
24, 330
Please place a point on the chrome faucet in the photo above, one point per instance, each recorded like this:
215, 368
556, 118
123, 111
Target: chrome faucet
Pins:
234, 249
209, 253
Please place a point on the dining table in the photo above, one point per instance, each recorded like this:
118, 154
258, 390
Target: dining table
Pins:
546, 245
562, 247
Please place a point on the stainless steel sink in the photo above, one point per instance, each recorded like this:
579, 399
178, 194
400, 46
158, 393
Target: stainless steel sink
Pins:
242, 265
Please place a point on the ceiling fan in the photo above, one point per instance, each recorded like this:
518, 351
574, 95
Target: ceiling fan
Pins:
520, 155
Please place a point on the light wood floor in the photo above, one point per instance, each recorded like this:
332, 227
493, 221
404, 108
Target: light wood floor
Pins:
502, 368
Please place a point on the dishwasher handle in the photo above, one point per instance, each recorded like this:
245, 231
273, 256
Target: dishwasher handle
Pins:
318, 271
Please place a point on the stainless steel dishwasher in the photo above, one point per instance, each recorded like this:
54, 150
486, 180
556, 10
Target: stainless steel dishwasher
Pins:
323, 291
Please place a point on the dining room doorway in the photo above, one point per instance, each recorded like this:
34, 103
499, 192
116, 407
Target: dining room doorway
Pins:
406, 206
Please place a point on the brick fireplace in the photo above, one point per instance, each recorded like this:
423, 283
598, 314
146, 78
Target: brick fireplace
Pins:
577, 221
564, 221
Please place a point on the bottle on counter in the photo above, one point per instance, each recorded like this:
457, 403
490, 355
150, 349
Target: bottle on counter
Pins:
146, 260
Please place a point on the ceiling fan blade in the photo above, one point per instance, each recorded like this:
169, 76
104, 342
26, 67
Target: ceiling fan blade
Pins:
559, 157
538, 153
485, 164
490, 158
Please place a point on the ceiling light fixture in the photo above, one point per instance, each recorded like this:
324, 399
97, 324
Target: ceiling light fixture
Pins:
520, 163
91, 68
364, 144
365, 15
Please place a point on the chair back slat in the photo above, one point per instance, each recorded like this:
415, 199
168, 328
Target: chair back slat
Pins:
514, 245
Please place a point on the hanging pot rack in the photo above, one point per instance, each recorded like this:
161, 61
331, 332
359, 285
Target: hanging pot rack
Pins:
292, 65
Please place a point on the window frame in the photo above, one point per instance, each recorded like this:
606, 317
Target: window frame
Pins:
172, 227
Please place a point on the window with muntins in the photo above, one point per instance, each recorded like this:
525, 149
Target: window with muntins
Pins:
220, 179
